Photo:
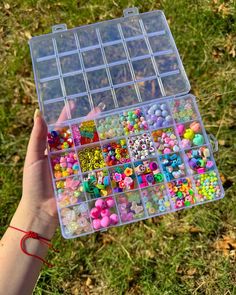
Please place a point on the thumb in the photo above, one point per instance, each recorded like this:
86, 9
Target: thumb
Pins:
38, 140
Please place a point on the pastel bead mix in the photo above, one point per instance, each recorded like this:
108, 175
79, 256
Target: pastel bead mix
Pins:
183, 110
182, 193
173, 166
64, 164
190, 134
207, 186
97, 184
109, 127
141, 146
75, 220
91, 158
158, 115
116, 152
70, 191
123, 178
156, 199
133, 121
103, 213
60, 139
199, 160
148, 173
130, 206
165, 141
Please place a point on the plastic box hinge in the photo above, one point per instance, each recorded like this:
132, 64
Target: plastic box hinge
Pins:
59, 28
130, 11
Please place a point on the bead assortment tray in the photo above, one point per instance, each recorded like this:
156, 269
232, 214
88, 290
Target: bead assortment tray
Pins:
126, 141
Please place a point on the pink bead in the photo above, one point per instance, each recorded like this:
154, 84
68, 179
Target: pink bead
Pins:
129, 216
181, 129
186, 143
63, 165
96, 224
105, 212
171, 143
105, 221
114, 219
167, 151
195, 126
101, 204
95, 212
110, 202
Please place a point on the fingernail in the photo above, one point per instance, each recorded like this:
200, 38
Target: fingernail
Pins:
37, 114
102, 106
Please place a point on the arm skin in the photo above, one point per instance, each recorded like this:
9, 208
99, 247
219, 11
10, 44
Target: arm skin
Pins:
36, 212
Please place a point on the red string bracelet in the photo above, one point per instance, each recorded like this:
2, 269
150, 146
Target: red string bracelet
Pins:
34, 235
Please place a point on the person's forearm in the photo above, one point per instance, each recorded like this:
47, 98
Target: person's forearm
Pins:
18, 271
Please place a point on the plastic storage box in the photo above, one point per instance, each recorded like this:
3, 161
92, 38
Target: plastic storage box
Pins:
126, 141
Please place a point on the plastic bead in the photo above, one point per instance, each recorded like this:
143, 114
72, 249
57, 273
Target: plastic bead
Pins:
133, 121
158, 116
182, 193
135, 144
60, 139
116, 152
165, 141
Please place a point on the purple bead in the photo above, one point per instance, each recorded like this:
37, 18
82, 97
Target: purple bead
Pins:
154, 117
164, 113
158, 113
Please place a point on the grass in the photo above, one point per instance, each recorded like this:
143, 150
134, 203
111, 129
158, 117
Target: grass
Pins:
173, 254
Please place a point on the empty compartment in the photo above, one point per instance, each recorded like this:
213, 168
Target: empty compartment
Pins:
182, 193
50, 90
126, 95
42, 47
115, 53
148, 172
200, 160
153, 21
79, 106
74, 84
109, 127
91, 158
156, 200
70, 63
64, 164
97, 184
60, 138
69, 191
137, 48
47, 68
183, 109
208, 186
166, 63
130, 206
92, 58
103, 213
104, 98
149, 89
166, 140
191, 134
141, 146
175, 84
120, 74
87, 36
97, 79
160, 43
115, 152
173, 166
143, 68
55, 112
75, 220
123, 178
109, 32
65, 41
158, 115
131, 27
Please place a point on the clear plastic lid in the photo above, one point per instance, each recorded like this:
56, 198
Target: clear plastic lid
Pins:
123, 62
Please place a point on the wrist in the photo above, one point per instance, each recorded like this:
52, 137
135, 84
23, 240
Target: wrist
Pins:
34, 220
